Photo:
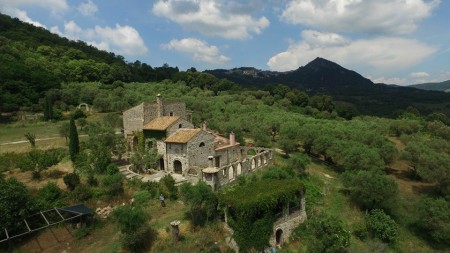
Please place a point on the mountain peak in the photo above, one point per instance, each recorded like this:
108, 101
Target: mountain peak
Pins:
322, 63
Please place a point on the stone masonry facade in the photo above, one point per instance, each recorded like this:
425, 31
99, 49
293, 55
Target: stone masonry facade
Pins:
196, 154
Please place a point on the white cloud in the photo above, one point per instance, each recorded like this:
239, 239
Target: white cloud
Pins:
121, 39
88, 8
55, 6
227, 19
390, 80
22, 15
384, 53
200, 50
369, 16
419, 74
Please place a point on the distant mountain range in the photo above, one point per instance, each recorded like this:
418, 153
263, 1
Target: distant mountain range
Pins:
324, 77
442, 86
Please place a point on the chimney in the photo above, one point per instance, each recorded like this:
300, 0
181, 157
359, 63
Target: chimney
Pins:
204, 126
159, 104
210, 161
232, 139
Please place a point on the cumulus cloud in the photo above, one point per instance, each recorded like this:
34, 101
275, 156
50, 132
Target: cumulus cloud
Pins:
200, 50
55, 6
390, 80
88, 8
381, 16
121, 39
22, 15
419, 74
380, 53
227, 19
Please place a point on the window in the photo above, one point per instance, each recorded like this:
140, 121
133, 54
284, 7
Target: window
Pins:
180, 125
202, 144
171, 114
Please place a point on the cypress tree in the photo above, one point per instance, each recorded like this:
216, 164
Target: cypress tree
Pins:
48, 109
74, 145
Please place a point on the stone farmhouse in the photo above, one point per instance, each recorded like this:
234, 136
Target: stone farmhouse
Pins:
194, 153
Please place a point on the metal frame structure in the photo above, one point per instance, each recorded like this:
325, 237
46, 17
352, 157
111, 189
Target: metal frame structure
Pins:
48, 222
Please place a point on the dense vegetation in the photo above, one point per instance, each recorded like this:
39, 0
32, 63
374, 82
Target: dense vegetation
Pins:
47, 73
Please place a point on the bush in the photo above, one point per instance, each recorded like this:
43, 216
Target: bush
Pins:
434, 220
36, 175
112, 169
137, 235
168, 184
92, 181
151, 187
203, 203
78, 114
71, 180
276, 173
113, 184
141, 198
382, 225
323, 233
371, 189
299, 162
82, 193
50, 196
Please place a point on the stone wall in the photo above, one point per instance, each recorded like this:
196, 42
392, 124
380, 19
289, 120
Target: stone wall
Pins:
133, 119
199, 148
176, 152
285, 225
180, 123
228, 173
174, 109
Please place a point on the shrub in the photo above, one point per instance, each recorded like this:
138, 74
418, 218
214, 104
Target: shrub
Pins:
141, 198
92, 181
82, 192
112, 169
71, 180
434, 220
137, 235
382, 225
203, 202
275, 173
371, 189
113, 184
168, 184
323, 233
50, 196
151, 187
36, 175
299, 162
78, 114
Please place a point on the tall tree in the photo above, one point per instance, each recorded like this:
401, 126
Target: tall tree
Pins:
74, 144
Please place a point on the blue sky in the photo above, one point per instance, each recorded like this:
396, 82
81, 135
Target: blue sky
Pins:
392, 41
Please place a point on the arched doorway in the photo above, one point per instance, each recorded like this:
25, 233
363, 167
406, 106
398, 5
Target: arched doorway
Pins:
253, 164
239, 169
231, 173
279, 236
135, 142
177, 167
161, 163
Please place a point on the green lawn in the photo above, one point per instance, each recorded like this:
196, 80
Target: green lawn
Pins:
16, 131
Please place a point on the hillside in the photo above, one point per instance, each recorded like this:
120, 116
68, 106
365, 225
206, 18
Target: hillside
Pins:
442, 86
33, 61
324, 77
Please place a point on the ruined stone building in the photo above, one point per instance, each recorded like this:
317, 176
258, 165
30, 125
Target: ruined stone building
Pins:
194, 153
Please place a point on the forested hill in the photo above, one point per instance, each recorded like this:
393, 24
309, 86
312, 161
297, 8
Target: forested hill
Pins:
33, 60
442, 86
323, 77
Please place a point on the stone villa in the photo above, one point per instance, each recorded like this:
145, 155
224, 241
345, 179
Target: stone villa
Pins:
195, 153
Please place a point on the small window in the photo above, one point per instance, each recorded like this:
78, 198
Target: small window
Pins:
180, 125
202, 144
171, 114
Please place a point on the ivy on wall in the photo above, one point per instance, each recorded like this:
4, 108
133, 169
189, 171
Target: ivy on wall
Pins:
252, 209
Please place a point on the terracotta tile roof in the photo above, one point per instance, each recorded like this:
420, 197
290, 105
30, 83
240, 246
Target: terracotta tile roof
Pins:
161, 123
183, 135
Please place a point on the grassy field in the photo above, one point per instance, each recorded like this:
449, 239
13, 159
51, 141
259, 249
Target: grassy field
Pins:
12, 136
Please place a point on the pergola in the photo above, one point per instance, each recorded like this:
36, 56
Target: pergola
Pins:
44, 219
